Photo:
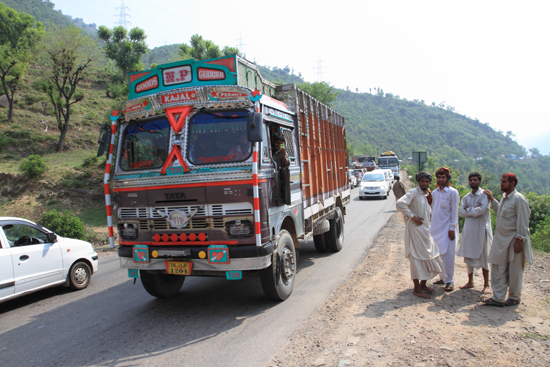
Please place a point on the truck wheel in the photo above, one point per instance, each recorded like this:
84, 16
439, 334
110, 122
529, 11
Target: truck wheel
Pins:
278, 278
161, 285
335, 236
320, 243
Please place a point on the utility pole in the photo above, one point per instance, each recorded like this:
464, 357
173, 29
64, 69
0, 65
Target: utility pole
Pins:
240, 45
122, 15
319, 69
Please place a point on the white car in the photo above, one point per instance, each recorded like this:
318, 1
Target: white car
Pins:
33, 258
374, 184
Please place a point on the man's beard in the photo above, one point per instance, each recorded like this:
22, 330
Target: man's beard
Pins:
474, 187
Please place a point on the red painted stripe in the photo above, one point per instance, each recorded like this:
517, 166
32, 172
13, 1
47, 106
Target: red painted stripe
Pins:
109, 211
256, 203
108, 168
255, 180
111, 234
258, 228
111, 148
106, 187
150, 243
202, 184
255, 156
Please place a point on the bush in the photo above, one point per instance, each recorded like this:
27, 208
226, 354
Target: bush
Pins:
539, 240
64, 224
33, 166
88, 162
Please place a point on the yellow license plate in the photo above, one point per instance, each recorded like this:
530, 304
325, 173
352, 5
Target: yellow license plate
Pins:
178, 267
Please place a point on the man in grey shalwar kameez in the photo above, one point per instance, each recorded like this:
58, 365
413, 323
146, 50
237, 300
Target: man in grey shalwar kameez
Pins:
477, 234
420, 248
511, 243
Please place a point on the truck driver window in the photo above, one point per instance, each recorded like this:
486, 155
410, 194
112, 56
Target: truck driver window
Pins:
145, 145
281, 184
217, 138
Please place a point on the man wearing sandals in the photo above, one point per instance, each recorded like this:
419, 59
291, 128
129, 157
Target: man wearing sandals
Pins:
477, 234
511, 243
444, 226
419, 246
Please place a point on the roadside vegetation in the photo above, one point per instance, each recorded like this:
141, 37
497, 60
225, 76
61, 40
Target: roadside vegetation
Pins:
63, 80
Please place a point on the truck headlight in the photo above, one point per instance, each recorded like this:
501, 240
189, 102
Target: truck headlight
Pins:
128, 231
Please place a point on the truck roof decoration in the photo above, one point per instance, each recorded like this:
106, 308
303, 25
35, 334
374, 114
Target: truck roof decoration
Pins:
206, 82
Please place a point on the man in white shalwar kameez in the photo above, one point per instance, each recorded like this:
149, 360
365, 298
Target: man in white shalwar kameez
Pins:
477, 234
444, 226
511, 243
419, 246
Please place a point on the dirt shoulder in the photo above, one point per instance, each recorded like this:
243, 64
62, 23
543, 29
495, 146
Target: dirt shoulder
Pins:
373, 319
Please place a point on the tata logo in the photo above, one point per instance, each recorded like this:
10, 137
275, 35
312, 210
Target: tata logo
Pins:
148, 84
174, 196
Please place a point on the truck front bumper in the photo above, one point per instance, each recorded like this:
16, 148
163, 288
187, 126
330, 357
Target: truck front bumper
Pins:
240, 258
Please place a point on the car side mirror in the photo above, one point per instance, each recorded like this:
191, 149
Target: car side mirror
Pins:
52, 237
254, 127
103, 141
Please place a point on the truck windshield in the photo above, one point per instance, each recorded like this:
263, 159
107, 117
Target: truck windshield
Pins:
388, 162
145, 145
217, 138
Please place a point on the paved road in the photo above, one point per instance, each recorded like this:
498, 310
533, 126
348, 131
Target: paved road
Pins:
213, 322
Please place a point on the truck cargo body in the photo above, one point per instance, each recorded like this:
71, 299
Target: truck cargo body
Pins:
195, 179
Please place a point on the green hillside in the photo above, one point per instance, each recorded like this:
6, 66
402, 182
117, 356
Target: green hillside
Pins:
44, 11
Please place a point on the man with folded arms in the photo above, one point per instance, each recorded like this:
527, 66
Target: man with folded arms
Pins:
511, 243
419, 246
477, 234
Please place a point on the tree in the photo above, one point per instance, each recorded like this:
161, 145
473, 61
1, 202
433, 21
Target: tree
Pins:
125, 49
201, 49
70, 56
322, 91
19, 35
535, 152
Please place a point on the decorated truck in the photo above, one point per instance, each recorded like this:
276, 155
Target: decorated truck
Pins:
389, 160
196, 186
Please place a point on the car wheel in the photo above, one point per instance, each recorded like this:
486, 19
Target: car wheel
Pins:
161, 285
79, 275
278, 278
335, 236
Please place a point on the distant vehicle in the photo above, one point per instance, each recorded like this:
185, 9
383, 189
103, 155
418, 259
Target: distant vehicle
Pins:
390, 176
374, 184
33, 258
352, 179
389, 160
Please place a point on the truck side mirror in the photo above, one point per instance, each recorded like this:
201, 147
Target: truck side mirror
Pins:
104, 134
255, 126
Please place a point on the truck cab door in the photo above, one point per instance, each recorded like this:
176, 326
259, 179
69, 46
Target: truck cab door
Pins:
7, 281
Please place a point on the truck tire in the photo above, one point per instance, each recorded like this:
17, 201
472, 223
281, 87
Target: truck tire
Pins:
278, 278
335, 236
161, 285
320, 243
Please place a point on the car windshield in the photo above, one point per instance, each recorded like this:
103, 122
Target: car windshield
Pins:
373, 177
219, 137
145, 145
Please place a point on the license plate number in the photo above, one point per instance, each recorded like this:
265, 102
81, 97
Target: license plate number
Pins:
178, 267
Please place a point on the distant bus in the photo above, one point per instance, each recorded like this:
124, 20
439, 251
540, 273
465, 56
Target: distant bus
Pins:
389, 160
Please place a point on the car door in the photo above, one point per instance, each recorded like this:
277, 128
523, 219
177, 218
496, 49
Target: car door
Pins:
7, 281
36, 263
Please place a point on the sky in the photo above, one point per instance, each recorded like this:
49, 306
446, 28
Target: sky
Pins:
489, 60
